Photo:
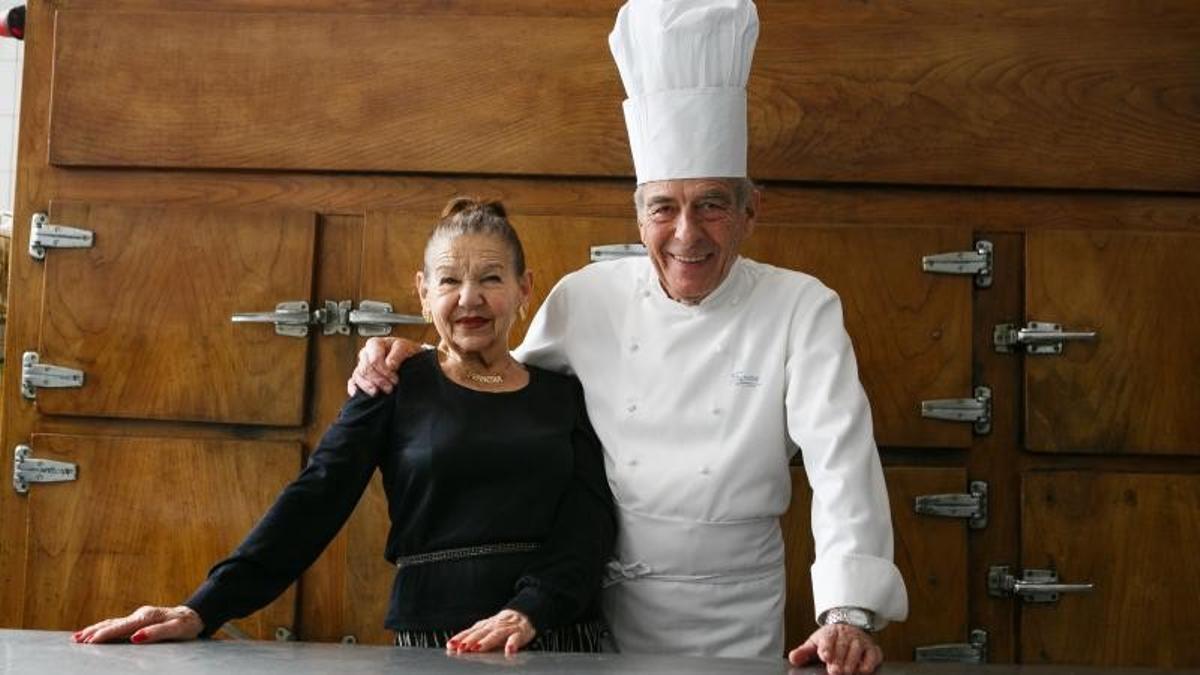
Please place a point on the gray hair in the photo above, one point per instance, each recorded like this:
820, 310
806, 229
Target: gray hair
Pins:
468, 215
743, 189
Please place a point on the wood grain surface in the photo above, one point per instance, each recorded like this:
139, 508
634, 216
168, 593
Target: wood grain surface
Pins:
1136, 388
1135, 537
1064, 94
145, 313
144, 522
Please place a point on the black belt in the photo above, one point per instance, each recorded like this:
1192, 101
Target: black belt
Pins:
464, 553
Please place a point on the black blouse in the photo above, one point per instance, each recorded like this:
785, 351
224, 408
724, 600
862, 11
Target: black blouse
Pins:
460, 468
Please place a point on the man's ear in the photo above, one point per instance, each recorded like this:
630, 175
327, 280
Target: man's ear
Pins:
752, 206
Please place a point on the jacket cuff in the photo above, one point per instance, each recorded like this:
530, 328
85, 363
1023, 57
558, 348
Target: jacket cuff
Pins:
205, 603
860, 581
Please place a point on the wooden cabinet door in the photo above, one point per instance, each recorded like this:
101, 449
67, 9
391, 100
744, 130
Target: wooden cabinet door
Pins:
146, 312
1135, 389
931, 553
1135, 536
143, 522
911, 329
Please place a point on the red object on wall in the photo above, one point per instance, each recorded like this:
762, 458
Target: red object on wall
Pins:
14, 23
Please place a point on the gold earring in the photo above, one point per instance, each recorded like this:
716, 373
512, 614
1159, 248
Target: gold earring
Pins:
427, 315
521, 312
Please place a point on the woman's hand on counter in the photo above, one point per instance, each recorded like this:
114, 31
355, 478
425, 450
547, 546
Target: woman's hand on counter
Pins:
147, 624
507, 629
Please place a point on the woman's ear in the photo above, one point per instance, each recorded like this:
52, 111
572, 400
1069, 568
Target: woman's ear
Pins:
526, 285
419, 282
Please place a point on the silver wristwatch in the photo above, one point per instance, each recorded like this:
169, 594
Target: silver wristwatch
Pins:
851, 616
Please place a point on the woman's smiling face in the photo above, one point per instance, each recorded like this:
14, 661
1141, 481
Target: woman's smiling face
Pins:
472, 290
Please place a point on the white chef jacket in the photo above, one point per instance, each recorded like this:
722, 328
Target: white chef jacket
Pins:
700, 408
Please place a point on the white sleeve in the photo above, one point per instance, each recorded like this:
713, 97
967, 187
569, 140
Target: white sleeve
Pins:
829, 418
545, 343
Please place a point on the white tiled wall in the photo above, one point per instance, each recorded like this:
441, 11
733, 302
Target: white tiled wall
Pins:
12, 57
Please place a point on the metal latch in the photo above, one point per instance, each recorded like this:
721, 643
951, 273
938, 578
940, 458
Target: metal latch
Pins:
1034, 586
28, 470
334, 317
35, 374
973, 651
972, 506
614, 251
1038, 337
373, 318
290, 318
976, 410
43, 235
977, 262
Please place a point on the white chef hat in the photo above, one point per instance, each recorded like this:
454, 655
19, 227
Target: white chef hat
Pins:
685, 64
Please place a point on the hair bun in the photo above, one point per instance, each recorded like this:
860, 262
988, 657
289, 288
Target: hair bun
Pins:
467, 204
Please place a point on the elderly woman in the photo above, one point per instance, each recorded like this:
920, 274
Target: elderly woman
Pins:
501, 517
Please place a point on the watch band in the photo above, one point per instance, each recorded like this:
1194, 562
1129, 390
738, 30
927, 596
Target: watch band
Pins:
851, 616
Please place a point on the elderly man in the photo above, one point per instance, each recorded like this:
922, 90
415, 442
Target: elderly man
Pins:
704, 372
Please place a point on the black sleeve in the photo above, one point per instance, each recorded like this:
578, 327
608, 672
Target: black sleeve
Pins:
304, 519
562, 583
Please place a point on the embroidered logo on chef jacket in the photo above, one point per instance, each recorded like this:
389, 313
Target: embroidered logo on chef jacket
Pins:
744, 379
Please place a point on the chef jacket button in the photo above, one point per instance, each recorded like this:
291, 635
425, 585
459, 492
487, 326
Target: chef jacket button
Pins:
704, 470
633, 347
716, 411
631, 462
632, 407
645, 294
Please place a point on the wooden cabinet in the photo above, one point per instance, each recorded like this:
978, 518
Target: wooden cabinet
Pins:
145, 518
232, 155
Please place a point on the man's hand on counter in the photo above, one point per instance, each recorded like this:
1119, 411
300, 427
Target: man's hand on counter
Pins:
846, 650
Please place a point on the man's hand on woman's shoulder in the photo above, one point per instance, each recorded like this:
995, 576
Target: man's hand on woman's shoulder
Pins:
378, 362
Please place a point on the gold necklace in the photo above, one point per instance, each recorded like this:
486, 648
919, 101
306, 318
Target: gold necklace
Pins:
482, 378
478, 378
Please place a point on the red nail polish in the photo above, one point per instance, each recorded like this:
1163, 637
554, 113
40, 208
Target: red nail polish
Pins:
137, 638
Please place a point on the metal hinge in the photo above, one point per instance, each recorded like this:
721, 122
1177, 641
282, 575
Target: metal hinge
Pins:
43, 235
1037, 337
976, 410
977, 262
614, 251
36, 375
1034, 586
973, 651
972, 506
284, 634
28, 470
373, 318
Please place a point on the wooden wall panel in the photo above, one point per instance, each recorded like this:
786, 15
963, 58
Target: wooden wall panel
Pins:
1067, 94
338, 92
